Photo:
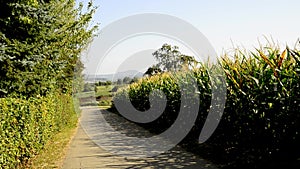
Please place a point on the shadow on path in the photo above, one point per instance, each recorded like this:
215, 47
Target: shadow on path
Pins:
85, 153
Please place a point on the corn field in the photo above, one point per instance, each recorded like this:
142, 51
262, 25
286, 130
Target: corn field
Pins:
261, 120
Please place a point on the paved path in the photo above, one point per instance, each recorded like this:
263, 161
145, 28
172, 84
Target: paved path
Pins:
85, 153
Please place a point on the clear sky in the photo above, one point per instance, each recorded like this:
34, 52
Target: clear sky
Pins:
223, 22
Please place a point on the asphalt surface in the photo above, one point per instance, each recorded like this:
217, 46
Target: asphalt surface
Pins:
90, 147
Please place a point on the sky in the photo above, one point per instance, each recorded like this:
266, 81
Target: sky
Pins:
226, 24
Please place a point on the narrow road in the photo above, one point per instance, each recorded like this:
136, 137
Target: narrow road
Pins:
85, 153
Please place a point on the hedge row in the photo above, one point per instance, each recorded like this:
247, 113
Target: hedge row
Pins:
27, 124
261, 120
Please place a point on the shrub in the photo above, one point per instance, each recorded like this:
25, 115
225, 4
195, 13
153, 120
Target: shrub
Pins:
27, 124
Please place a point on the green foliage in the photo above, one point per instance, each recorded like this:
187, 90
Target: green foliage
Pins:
40, 44
88, 87
126, 80
139, 93
261, 118
106, 83
261, 121
152, 71
171, 59
119, 82
104, 91
135, 79
26, 125
104, 103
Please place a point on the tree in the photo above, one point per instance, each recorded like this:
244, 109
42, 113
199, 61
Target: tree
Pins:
188, 61
107, 83
119, 82
152, 71
40, 45
126, 80
135, 79
171, 59
88, 87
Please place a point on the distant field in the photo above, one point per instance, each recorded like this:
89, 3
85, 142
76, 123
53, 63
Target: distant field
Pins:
102, 96
104, 90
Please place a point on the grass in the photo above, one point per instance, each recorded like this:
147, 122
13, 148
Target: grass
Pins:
101, 91
105, 107
104, 90
85, 94
107, 102
105, 96
53, 154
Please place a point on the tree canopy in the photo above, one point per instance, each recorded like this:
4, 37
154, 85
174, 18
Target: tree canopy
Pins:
40, 45
171, 59
152, 71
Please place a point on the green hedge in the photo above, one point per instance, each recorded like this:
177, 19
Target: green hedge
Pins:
27, 124
261, 121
